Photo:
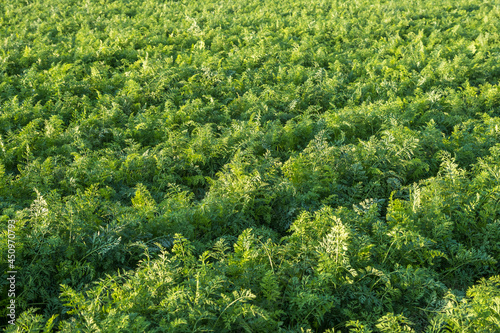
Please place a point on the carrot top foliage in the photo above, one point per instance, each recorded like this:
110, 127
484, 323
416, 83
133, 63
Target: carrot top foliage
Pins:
230, 166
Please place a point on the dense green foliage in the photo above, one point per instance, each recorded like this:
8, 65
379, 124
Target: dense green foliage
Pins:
251, 166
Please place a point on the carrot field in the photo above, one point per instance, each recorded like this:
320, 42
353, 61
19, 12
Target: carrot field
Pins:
250, 166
